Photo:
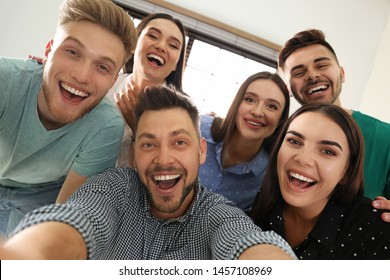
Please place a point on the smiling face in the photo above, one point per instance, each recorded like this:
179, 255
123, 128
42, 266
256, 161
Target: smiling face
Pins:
158, 50
314, 75
167, 155
312, 160
260, 110
81, 65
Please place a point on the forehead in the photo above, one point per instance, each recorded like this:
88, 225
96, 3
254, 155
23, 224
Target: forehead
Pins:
96, 40
266, 89
319, 126
307, 55
165, 26
164, 122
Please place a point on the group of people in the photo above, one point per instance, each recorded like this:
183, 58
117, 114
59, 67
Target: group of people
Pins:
256, 184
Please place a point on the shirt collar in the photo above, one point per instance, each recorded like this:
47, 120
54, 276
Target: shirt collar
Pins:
257, 165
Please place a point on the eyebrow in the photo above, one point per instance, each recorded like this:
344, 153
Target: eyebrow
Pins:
319, 59
325, 142
173, 133
81, 45
171, 37
268, 99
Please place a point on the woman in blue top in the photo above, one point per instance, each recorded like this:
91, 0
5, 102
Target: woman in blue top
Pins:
238, 146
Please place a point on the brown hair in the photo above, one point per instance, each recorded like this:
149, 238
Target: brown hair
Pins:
222, 129
157, 98
301, 40
345, 191
104, 13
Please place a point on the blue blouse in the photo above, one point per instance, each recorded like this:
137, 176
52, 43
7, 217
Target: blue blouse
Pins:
239, 183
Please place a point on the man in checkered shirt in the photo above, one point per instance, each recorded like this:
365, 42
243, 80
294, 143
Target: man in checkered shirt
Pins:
157, 211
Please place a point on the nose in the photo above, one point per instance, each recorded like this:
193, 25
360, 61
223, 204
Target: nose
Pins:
161, 45
82, 73
164, 156
312, 74
305, 157
258, 110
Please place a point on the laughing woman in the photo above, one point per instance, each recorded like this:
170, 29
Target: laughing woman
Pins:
238, 146
312, 193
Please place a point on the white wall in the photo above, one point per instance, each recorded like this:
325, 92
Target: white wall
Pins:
358, 29
376, 97
26, 26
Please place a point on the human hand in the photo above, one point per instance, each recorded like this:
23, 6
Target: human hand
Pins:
36, 58
381, 202
126, 100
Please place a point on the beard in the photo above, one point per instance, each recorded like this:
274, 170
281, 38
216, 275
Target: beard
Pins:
60, 115
169, 205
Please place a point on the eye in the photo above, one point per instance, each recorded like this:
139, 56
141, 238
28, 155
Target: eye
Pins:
152, 36
174, 46
104, 68
293, 141
181, 142
328, 152
273, 107
297, 74
147, 145
322, 66
72, 52
249, 100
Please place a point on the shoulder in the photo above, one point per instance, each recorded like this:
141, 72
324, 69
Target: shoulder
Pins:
361, 212
364, 120
205, 126
212, 202
105, 114
372, 128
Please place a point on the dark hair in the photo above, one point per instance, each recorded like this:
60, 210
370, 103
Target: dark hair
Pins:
162, 97
301, 40
346, 190
175, 77
222, 129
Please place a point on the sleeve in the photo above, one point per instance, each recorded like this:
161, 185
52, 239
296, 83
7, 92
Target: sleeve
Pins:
4, 85
233, 232
102, 149
94, 210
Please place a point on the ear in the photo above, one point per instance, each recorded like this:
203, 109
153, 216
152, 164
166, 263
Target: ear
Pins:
48, 49
342, 74
202, 150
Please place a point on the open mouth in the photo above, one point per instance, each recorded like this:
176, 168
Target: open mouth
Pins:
255, 124
317, 89
158, 60
300, 181
166, 182
72, 94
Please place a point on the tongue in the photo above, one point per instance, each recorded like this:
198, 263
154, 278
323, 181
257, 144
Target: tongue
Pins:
166, 184
154, 62
71, 97
299, 184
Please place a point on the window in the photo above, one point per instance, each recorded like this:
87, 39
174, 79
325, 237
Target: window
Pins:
215, 68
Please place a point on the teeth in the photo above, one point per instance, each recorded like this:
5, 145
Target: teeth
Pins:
255, 123
74, 91
321, 87
300, 177
165, 177
160, 59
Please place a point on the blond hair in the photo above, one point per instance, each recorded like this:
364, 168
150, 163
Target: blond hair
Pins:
104, 13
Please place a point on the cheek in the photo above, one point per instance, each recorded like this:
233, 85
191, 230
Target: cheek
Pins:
274, 118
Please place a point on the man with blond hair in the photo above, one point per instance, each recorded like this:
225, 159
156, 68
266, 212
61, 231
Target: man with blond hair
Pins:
57, 129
